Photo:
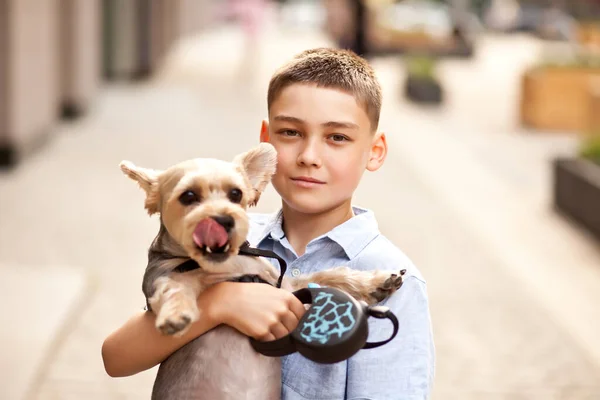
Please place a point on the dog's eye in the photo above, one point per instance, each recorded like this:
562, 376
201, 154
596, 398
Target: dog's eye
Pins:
235, 195
188, 197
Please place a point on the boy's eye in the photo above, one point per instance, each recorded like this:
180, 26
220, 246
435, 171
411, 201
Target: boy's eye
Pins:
188, 197
339, 138
289, 132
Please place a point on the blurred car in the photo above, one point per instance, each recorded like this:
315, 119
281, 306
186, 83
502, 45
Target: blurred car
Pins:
537, 17
435, 18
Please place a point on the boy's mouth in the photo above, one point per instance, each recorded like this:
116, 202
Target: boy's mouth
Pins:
307, 179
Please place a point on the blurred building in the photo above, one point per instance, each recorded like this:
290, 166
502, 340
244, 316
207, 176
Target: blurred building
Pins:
54, 54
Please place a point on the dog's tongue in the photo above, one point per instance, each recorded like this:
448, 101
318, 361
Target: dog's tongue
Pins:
210, 233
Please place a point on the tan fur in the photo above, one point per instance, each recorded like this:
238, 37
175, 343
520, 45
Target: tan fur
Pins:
366, 286
257, 163
220, 364
148, 180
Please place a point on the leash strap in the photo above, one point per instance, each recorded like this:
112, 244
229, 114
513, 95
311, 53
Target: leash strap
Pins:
245, 250
381, 312
187, 266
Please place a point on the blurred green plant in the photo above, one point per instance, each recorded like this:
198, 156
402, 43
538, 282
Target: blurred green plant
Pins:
590, 149
421, 67
572, 57
580, 61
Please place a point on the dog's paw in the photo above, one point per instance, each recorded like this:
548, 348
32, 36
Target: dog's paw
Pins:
172, 326
388, 286
175, 323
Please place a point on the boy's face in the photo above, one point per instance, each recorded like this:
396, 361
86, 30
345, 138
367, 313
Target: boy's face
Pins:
324, 143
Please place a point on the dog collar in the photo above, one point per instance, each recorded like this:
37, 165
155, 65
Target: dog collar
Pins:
245, 250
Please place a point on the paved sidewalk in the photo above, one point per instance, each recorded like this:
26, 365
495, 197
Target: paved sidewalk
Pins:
513, 287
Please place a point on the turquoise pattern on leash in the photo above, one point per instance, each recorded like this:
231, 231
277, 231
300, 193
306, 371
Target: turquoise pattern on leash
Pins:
327, 318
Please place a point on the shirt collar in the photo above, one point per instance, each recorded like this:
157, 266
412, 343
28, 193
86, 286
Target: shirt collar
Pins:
352, 236
273, 228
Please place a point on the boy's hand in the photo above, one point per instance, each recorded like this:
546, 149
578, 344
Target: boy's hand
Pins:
257, 310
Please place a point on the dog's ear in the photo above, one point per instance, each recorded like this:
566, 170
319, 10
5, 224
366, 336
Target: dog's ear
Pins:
148, 180
258, 165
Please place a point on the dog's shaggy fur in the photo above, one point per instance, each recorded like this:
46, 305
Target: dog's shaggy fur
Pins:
196, 195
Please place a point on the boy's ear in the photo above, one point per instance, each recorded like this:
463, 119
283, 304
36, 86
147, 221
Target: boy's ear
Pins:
259, 165
264, 131
148, 180
378, 152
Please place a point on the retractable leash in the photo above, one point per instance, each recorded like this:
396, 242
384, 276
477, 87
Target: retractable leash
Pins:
333, 329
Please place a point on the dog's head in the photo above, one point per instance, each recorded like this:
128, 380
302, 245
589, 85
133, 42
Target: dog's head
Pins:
203, 202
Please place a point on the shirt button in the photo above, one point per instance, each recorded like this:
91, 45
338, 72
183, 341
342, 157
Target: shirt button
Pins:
295, 272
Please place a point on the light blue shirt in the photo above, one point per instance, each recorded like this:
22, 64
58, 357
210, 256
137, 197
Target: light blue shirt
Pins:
404, 368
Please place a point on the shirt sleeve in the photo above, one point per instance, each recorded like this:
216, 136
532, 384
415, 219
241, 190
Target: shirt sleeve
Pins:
403, 368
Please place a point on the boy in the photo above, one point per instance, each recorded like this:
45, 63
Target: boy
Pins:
323, 110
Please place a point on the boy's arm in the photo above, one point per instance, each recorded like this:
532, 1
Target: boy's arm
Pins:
255, 309
138, 345
404, 367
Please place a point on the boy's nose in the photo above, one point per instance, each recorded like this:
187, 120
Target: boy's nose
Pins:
309, 156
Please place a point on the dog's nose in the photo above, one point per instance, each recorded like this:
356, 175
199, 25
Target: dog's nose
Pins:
226, 221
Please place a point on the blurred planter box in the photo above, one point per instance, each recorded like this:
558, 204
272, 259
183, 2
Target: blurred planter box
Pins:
80, 45
561, 98
588, 34
423, 91
422, 84
577, 191
29, 84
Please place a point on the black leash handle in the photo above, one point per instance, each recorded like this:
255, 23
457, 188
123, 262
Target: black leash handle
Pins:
381, 312
246, 250
330, 347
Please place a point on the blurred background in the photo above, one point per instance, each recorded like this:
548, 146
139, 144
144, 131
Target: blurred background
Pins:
492, 184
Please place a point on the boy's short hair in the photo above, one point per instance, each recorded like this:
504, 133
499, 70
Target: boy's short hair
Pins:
331, 68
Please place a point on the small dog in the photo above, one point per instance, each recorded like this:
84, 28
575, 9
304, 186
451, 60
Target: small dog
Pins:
202, 205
